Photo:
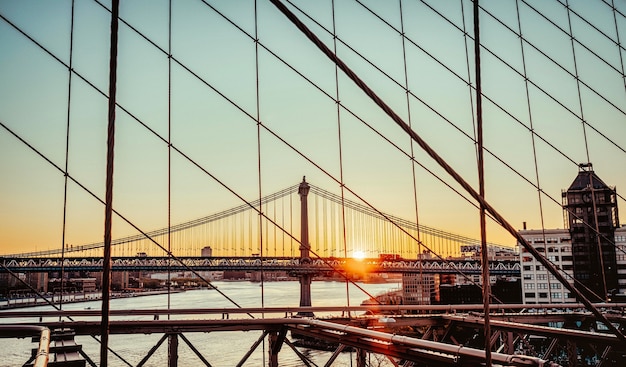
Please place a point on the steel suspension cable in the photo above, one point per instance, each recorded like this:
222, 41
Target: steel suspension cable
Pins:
552, 146
67, 153
532, 136
366, 123
259, 171
157, 134
598, 30
582, 115
618, 43
126, 220
106, 267
577, 78
604, 136
169, 153
486, 291
360, 119
411, 144
340, 151
443, 164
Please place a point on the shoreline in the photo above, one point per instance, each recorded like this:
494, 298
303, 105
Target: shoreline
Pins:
76, 298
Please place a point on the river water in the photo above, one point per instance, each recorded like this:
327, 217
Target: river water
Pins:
219, 348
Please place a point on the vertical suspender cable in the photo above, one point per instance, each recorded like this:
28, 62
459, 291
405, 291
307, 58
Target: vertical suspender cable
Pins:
408, 108
481, 187
343, 210
619, 45
582, 119
532, 134
106, 266
258, 121
67, 154
169, 156
580, 101
469, 73
443, 164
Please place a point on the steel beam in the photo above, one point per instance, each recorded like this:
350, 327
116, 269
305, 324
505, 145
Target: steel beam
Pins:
172, 350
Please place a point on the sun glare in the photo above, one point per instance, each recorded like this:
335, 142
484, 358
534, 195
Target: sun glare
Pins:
358, 255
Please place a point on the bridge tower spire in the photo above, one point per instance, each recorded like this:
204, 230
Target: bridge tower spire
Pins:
305, 247
303, 191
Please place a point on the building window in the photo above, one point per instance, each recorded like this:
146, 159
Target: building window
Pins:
529, 286
555, 286
528, 276
530, 295
527, 267
542, 277
542, 285
543, 295
556, 295
553, 258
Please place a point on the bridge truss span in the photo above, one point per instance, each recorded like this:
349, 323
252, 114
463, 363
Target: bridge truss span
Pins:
341, 265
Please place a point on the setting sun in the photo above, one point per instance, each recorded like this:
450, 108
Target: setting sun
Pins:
358, 255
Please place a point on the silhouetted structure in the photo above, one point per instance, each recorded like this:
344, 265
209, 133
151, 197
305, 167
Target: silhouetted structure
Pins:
591, 211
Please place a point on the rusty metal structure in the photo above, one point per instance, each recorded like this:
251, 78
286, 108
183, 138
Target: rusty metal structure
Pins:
523, 335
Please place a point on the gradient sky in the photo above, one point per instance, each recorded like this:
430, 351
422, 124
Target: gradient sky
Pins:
223, 139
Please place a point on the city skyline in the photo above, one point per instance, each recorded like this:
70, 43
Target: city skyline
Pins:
215, 111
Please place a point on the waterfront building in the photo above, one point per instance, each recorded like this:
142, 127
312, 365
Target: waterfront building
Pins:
538, 284
591, 212
417, 289
591, 252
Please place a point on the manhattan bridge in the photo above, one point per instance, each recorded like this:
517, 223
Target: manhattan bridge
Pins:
422, 128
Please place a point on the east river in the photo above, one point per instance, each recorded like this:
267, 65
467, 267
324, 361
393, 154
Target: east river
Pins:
219, 348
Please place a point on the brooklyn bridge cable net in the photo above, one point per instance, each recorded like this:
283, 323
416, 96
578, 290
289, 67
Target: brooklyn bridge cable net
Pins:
257, 107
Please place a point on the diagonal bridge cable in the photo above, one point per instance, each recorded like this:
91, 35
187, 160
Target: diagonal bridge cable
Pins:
119, 214
400, 122
533, 132
177, 150
189, 159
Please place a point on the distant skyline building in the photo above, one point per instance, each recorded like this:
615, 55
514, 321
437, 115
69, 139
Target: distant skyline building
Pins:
538, 284
591, 213
206, 251
591, 251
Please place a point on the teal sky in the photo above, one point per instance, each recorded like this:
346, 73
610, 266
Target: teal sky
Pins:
223, 138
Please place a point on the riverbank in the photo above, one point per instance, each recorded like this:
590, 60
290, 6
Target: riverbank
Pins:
75, 298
